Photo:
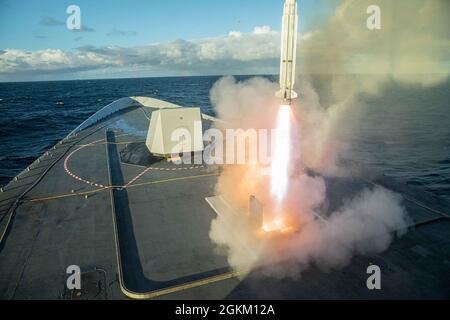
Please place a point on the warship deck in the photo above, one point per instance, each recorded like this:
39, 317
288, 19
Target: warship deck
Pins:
142, 232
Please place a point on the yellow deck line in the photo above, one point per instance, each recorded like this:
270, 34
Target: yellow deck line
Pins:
56, 197
173, 180
183, 287
62, 196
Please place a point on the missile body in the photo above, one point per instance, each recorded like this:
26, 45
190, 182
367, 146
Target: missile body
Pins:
288, 52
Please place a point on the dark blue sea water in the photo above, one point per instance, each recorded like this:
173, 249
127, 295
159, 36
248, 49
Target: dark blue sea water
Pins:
403, 131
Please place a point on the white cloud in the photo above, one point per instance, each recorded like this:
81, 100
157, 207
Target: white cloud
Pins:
235, 34
237, 53
264, 30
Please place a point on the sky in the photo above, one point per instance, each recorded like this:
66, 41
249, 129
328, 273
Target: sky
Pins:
136, 38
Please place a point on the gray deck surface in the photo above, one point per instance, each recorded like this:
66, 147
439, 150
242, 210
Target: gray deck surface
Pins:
163, 223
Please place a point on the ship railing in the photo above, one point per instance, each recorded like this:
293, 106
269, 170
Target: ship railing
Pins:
110, 109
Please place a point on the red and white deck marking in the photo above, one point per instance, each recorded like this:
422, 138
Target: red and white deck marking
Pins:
137, 177
66, 168
99, 185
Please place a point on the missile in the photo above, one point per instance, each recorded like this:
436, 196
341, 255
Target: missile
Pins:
288, 52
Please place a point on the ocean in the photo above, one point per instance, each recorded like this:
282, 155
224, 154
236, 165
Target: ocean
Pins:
404, 130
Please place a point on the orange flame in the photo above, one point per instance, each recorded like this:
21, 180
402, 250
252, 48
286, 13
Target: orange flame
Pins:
281, 157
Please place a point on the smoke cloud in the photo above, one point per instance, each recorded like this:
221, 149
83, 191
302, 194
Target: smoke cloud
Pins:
413, 40
411, 47
366, 223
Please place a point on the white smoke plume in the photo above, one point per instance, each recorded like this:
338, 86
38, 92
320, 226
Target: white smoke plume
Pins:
365, 224
413, 41
412, 47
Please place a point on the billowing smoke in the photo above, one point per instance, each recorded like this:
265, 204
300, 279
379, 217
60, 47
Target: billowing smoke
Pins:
412, 44
364, 224
343, 58
411, 47
249, 104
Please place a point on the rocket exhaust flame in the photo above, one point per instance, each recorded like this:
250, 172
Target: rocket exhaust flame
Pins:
279, 173
281, 154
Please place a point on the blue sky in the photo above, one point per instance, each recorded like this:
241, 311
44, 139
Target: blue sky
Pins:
33, 26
